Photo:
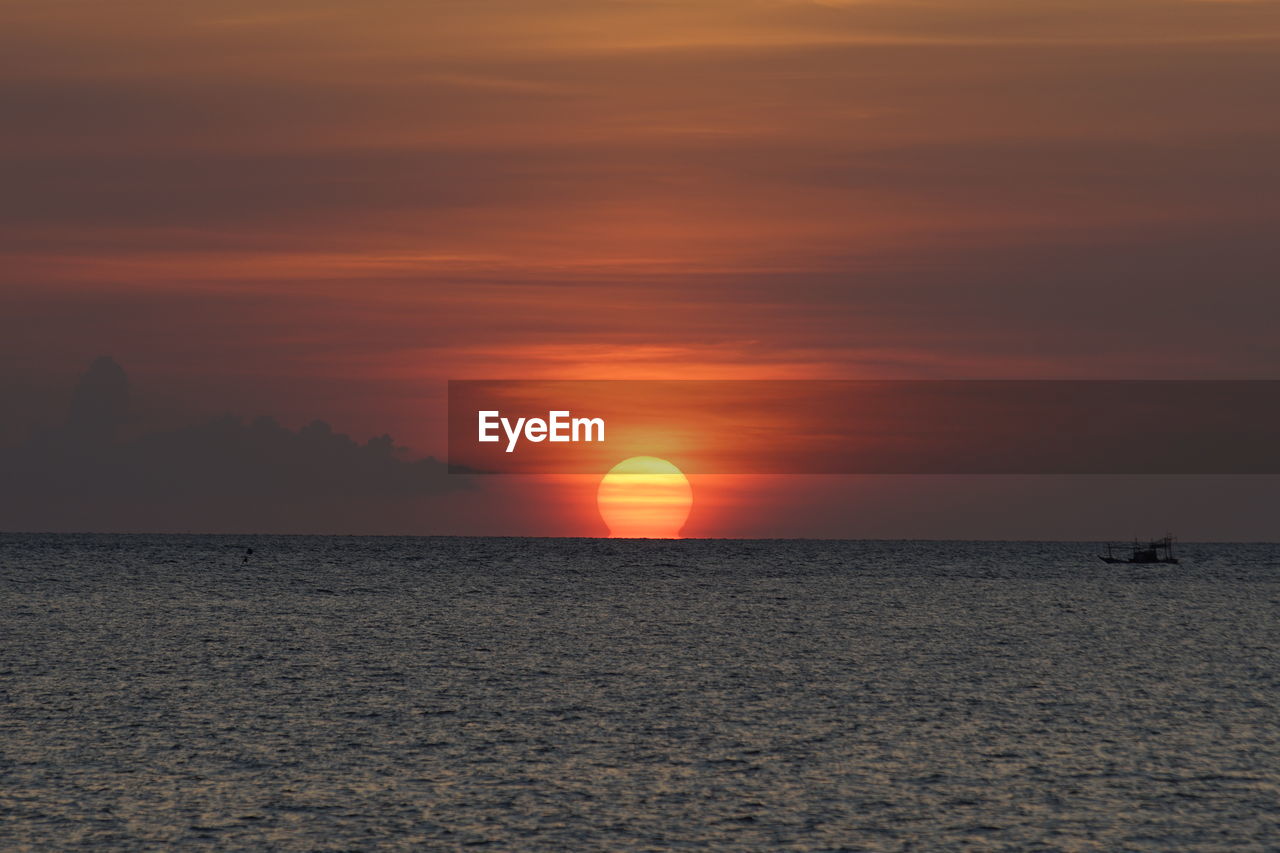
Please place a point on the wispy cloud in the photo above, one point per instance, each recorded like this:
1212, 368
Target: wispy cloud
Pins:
398, 192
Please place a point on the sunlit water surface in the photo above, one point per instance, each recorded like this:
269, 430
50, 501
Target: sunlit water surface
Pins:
524, 694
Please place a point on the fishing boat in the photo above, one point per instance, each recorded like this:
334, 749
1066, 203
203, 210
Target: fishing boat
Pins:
1155, 551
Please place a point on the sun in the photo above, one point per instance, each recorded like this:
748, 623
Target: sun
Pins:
644, 497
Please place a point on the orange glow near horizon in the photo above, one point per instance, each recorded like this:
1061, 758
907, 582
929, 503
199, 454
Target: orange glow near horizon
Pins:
644, 498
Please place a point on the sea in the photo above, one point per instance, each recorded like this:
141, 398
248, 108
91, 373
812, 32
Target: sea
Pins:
376, 693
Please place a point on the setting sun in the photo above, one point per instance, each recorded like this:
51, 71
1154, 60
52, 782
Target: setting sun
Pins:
644, 497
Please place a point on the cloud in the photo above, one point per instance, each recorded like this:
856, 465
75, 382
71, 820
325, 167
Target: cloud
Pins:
221, 474
331, 207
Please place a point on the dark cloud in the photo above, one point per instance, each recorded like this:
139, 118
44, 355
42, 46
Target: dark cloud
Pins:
221, 474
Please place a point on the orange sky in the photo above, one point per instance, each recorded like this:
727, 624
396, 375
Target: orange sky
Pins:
328, 209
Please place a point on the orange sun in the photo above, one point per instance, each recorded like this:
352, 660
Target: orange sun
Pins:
644, 497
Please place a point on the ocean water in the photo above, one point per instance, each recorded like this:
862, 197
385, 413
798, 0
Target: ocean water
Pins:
541, 694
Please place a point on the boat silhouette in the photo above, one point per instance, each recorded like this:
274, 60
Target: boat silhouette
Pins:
1155, 551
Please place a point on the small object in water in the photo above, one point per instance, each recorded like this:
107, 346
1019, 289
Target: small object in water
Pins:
1155, 551
247, 553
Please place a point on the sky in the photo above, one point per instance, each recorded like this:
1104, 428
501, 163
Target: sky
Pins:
324, 211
